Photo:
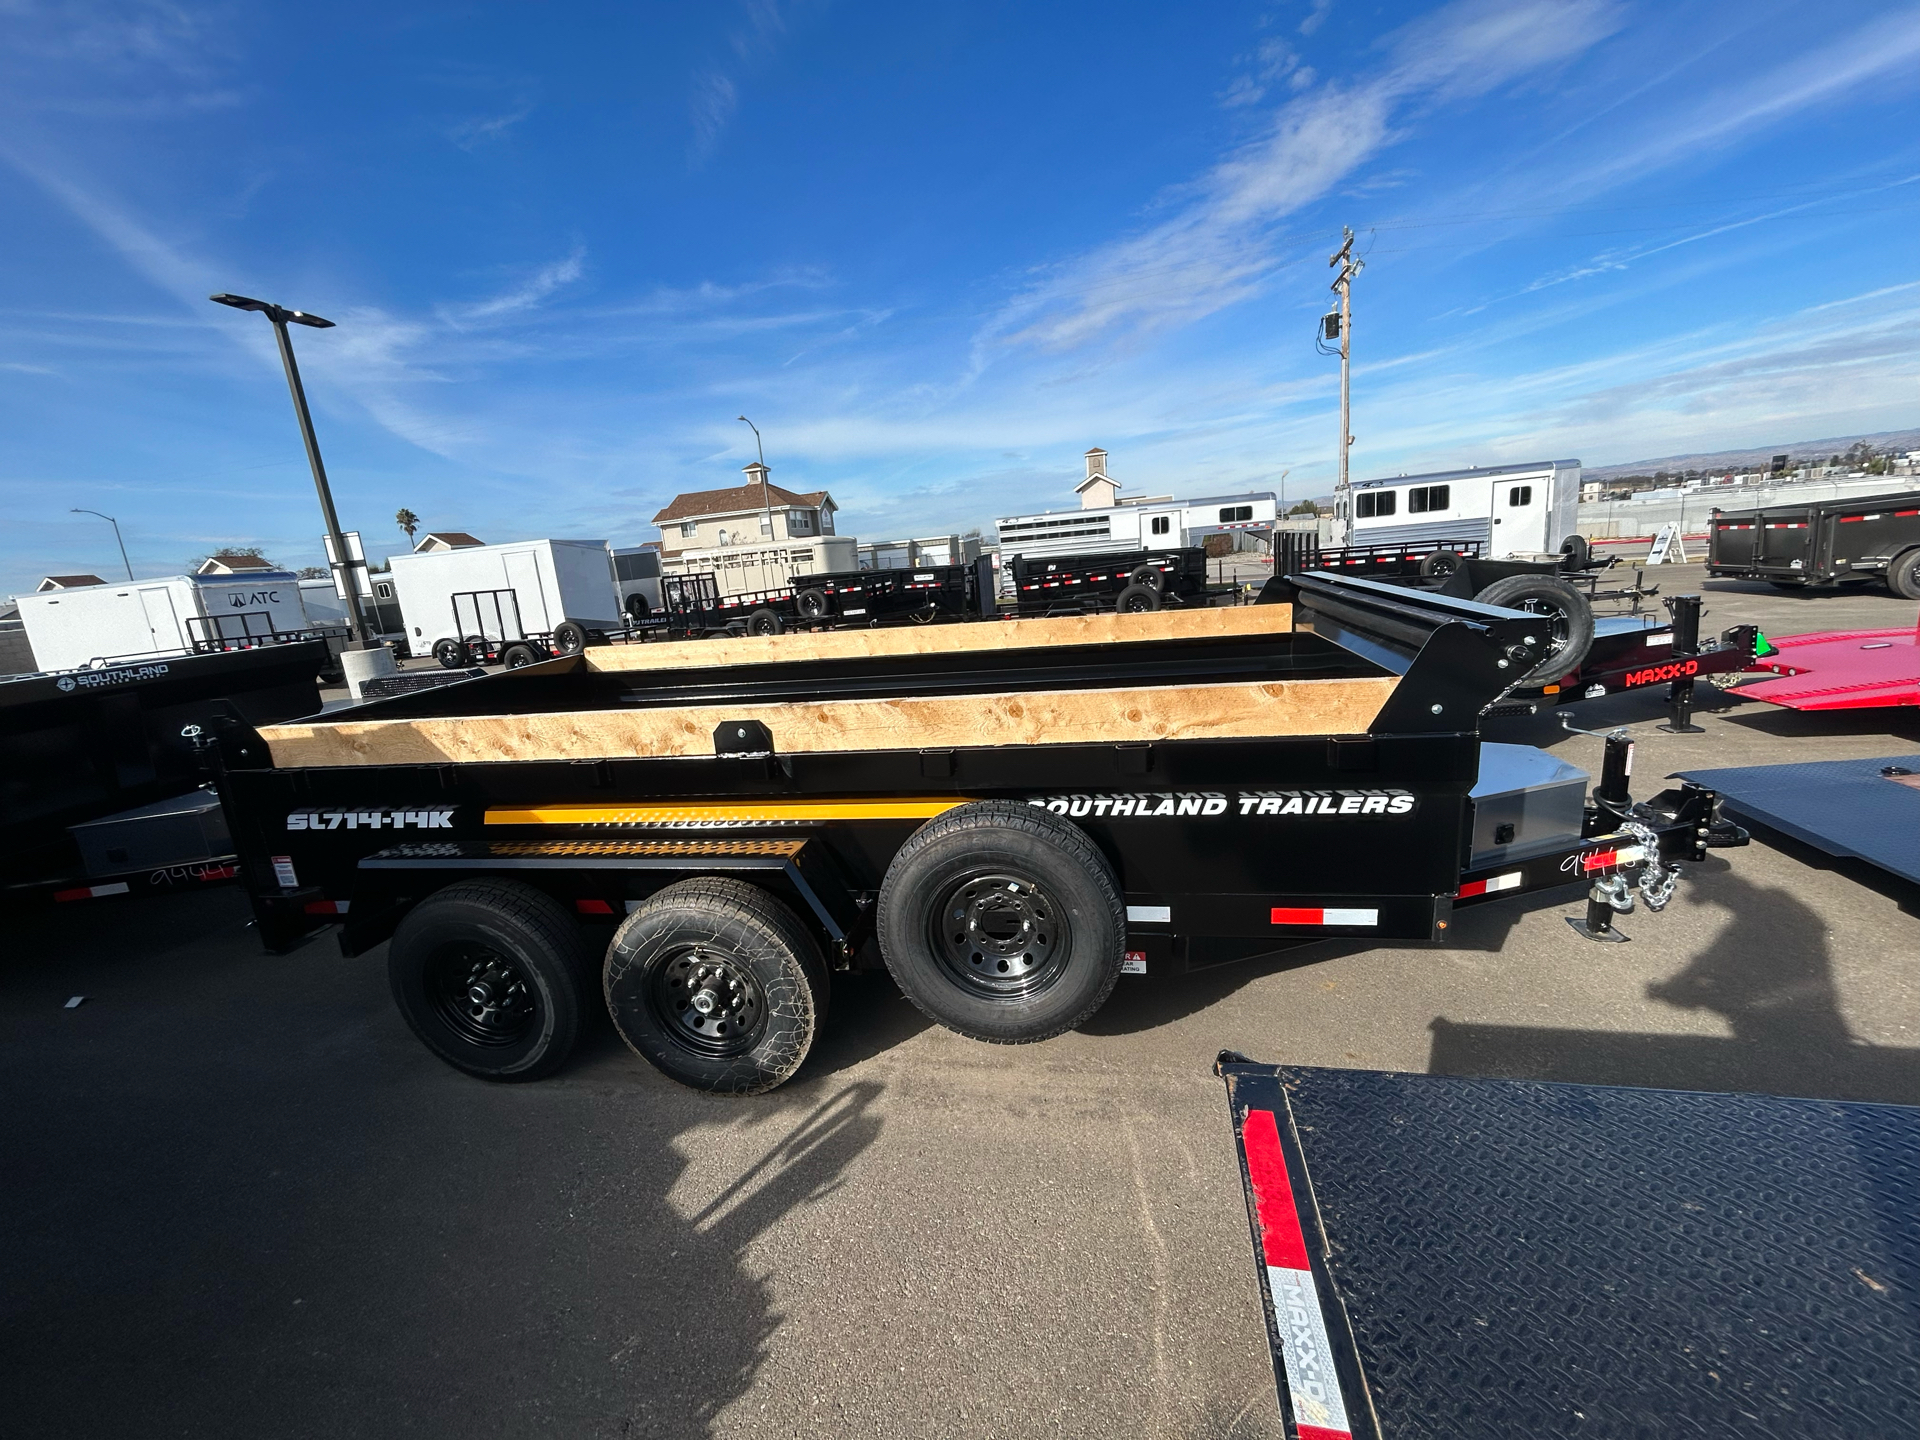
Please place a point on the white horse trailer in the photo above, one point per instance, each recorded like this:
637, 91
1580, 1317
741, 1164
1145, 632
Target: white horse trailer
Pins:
1169, 525
144, 619
1508, 509
551, 580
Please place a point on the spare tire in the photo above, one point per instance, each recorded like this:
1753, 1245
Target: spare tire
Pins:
1568, 618
813, 604
1440, 564
569, 637
1151, 576
1578, 552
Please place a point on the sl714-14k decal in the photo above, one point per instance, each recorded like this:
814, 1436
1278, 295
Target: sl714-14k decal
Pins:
1205, 803
432, 818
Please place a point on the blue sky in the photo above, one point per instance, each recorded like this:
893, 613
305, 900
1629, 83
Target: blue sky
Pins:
935, 251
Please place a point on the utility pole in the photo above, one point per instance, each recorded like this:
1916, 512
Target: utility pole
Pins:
1342, 321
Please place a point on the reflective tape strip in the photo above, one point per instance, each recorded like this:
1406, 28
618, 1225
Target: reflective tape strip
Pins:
1509, 881
724, 812
1149, 914
593, 907
328, 907
1306, 1352
91, 892
1607, 859
1285, 916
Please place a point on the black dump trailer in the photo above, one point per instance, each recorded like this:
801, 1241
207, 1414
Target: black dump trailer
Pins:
1822, 543
94, 765
916, 596
1130, 581
1512, 1260
1007, 817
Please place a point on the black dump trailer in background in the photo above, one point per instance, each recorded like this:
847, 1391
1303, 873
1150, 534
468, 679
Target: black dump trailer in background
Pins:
1008, 817
1825, 542
1130, 581
1510, 1260
80, 746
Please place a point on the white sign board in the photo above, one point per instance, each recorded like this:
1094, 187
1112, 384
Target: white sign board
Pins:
1669, 547
356, 562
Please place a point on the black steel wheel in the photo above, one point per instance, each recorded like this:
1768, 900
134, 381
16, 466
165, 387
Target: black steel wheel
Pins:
1566, 621
1440, 564
813, 604
718, 985
1150, 576
519, 655
451, 653
1903, 575
490, 975
1137, 600
764, 622
569, 637
1002, 921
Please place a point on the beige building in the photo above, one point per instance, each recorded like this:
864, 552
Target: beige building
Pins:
757, 513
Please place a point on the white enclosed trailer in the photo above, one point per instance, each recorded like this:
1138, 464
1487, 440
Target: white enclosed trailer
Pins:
73, 628
1166, 525
551, 581
1507, 509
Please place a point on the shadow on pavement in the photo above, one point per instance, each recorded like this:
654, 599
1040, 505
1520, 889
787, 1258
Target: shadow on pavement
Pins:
1768, 975
241, 1200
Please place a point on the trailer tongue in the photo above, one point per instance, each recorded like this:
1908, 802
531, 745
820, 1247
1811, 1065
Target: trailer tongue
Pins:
1008, 817
1515, 1261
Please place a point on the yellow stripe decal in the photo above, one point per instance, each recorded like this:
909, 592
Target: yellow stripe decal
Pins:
725, 812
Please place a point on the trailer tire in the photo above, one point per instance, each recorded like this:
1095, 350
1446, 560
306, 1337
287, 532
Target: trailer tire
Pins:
1440, 564
1137, 600
1568, 615
1577, 553
452, 654
1043, 933
812, 604
1150, 576
569, 637
637, 607
757, 968
1903, 574
492, 977
519, 655
765, 622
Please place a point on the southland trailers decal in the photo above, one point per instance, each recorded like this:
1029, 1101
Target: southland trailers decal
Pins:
433, 818
100, 679
1206, 803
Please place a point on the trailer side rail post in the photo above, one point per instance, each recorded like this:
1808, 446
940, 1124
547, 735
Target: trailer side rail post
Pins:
1685, 610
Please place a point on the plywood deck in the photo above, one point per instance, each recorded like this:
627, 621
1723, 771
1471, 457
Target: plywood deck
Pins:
1051, 717
948, 639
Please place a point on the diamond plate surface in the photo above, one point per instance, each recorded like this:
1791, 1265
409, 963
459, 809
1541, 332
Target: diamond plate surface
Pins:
1844, 807
1538, 1260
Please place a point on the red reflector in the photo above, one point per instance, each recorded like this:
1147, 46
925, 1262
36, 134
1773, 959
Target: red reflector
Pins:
82, 894
593, 907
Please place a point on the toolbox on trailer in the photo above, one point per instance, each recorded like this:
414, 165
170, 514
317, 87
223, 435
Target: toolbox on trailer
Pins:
1008, 817
1824, 542
1509, 1260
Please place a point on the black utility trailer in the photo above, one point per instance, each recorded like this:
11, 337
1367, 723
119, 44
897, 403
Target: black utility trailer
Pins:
1510, 1260
1822, 543
491, 631
1132, 582
1008, 817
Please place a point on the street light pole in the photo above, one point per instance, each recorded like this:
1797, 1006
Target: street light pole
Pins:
116, 536
279, 316
766, 495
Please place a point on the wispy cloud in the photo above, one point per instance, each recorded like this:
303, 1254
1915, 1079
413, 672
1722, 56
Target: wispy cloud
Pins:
473, 133
1215, 249
524, 295
752, 42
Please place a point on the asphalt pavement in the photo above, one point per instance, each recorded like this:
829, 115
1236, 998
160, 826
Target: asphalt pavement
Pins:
240, 1200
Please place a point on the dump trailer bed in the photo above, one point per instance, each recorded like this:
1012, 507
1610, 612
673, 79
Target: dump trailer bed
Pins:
1824, 542
1509, 1260
1007, 816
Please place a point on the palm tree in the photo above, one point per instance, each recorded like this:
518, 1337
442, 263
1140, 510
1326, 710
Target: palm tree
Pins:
407, 521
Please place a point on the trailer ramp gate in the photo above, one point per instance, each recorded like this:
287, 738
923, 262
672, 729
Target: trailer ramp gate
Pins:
1491, 1258
1858, 809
